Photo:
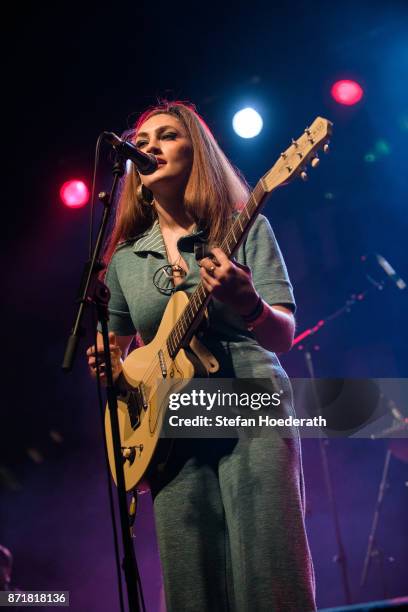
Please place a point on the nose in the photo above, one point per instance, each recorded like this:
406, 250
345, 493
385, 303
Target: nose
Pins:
153, 147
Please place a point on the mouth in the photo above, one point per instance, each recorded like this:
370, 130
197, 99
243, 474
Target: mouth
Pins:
161, 162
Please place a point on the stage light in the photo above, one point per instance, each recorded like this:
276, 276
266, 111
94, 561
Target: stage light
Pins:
382, 147
347, 92
74, 194
247, 123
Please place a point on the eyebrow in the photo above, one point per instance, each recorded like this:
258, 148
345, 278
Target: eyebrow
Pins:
158, 130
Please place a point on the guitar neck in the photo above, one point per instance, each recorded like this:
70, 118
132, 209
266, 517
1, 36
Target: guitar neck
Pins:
192, 314
291, 163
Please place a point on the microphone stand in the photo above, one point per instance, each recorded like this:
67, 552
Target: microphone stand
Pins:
400, 423
340, 557
372, 548
94, 292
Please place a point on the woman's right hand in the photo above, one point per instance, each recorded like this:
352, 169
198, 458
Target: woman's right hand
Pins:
115, 353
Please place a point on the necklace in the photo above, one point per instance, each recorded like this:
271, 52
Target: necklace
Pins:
177, 270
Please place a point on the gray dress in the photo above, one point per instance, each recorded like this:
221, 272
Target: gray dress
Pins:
229, 513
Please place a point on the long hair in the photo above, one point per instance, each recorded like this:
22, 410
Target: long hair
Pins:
215, 189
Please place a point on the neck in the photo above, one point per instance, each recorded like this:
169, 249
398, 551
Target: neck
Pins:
172, 214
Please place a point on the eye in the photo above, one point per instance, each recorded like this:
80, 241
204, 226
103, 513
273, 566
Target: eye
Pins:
169, 135
140, 143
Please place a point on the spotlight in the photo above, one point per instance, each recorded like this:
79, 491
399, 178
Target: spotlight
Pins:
347, 92
247, 123
74, 194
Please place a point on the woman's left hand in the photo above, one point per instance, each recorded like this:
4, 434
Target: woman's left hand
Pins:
229, 282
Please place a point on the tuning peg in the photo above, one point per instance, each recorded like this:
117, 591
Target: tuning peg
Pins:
303, 176
326, 148
283, 155
307, 131
315, 162
295, 143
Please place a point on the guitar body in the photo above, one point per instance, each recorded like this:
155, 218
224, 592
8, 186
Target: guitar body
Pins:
140, 419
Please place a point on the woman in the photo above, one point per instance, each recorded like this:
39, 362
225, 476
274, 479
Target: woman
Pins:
229, 514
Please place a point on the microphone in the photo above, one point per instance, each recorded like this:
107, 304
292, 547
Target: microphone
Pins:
146, 163
375, 260
390, 272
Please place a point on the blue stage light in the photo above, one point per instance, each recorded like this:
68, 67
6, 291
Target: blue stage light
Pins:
247, 123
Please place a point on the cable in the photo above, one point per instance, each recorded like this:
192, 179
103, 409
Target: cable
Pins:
96, 164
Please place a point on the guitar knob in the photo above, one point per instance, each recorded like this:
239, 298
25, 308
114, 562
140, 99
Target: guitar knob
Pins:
315, 162
303, 176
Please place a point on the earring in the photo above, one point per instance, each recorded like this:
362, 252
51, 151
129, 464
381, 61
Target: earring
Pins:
144, 195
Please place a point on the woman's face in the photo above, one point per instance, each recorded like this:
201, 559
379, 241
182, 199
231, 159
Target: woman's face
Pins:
166, 138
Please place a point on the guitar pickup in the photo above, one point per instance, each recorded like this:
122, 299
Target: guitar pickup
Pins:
162, 362
144, 402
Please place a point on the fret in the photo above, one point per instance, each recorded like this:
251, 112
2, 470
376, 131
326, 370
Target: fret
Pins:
194, 302
230, 244
246, 212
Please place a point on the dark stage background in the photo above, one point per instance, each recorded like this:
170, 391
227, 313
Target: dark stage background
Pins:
72, 71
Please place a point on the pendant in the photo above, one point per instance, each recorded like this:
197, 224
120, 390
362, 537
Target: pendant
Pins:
178, 271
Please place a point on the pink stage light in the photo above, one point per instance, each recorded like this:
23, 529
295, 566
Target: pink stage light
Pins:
74, 194
347, 92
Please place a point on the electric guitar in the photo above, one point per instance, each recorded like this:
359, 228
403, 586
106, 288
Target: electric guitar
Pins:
175, 355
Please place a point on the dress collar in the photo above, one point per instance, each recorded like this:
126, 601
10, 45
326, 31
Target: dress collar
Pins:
152, 240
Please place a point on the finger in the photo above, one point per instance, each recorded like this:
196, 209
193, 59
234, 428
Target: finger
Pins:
208, 263
210, 267
114, 348
111, 338
208, 278
219, 255
115, 351
100, 368
207, 286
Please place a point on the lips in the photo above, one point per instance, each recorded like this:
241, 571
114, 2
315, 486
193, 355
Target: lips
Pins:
161, 162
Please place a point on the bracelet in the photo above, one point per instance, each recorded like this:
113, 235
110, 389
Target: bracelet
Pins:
261, 317
255, 312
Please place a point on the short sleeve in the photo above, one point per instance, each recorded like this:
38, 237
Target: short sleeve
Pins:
120, 320
262, 254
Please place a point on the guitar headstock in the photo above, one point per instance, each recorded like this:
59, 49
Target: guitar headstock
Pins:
294, 160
